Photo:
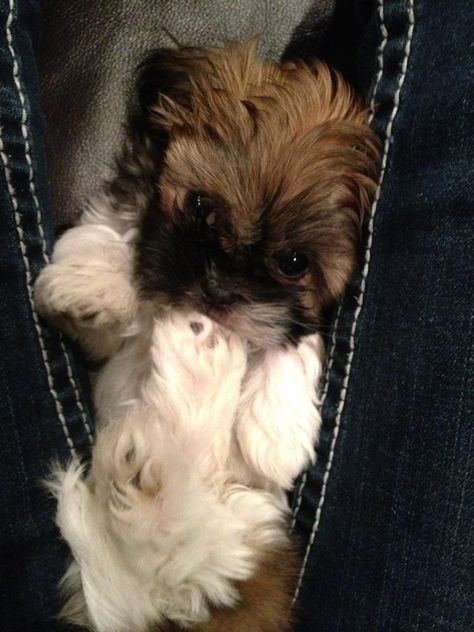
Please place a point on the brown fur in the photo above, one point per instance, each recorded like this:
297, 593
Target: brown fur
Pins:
265, 604
265, 600
289, 162
284, 152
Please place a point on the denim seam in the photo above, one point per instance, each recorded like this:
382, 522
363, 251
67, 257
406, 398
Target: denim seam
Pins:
77, 395
324, 393
20, 232
34, 195
32, 187
365, 270
44, 353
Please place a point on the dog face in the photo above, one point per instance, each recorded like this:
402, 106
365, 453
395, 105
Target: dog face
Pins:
258, 177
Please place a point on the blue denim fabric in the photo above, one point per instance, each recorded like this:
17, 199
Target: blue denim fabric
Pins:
386, 516
43, 414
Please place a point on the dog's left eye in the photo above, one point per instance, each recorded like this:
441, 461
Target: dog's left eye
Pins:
292, 264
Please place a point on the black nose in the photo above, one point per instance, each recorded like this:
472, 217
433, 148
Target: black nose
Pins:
218, 296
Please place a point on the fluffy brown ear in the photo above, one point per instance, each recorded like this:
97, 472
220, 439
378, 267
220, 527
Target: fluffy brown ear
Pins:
337, 145
176, 85
164, 85
163, 78
164, 72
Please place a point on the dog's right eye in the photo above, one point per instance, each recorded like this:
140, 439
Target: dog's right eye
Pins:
202, 206
195, 201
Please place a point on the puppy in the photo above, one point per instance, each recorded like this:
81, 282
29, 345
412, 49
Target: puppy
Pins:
198, 279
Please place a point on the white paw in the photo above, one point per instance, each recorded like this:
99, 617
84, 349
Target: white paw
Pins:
87, 287
77, 297
198, 357
278, 422
126, 464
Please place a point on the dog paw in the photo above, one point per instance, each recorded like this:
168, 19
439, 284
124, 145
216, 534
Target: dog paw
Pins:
126, 460
80, 298
87, 286
197, 356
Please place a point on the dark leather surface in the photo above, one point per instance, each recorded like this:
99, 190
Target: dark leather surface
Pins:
88, 53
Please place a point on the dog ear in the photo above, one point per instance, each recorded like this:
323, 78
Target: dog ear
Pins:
164, 86
162, 99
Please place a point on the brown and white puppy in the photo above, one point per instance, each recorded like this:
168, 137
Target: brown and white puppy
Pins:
256, 204
200, 277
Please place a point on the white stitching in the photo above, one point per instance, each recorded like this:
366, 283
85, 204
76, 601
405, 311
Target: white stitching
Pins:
365, 271
32, 187
324, 392
37, 325
380, 51
34, 195
11, 191
76, 392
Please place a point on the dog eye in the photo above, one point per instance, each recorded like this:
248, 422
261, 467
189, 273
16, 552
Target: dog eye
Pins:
292, 264
196, 201
200, 203
202, 206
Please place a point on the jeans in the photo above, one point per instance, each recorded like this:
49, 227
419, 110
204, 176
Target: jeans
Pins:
384, 517
43, 412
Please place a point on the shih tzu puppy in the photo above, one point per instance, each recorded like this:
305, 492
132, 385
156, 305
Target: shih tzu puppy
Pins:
198, 280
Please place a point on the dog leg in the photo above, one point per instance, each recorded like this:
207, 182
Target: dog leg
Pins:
86, 290
278, 421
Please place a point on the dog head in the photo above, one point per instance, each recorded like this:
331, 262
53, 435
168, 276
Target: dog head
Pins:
257, 180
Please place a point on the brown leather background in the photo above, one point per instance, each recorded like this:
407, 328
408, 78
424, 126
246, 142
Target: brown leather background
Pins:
89, 50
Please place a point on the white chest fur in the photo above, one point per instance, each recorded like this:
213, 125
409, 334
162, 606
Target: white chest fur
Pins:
239, 414
199, 436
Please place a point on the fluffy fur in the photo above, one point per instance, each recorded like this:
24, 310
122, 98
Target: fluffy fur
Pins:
199, 279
